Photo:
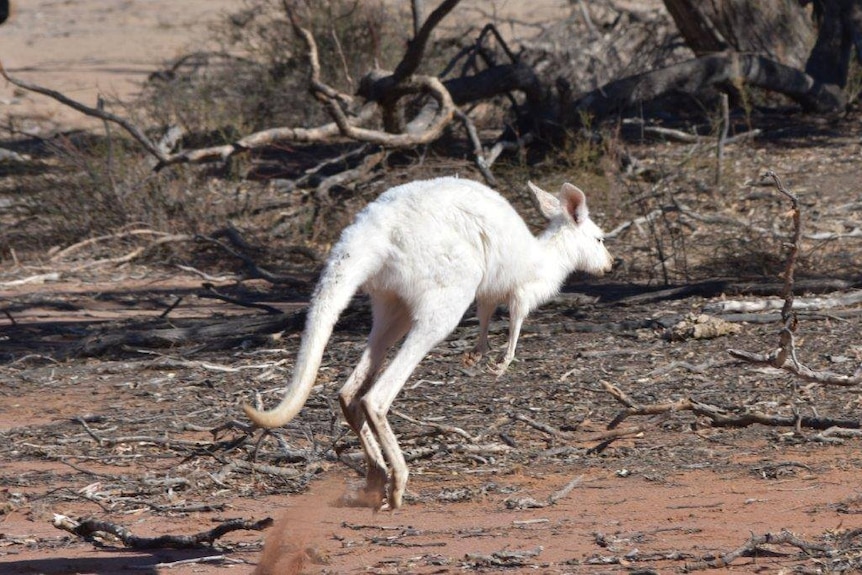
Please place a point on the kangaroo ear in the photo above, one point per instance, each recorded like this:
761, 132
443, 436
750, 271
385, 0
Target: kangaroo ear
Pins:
574, 202
548, 204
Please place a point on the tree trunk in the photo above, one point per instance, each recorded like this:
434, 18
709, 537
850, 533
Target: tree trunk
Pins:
840, 23
779, 29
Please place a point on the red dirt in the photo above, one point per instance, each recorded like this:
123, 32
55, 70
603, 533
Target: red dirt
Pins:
609, 522
674, 495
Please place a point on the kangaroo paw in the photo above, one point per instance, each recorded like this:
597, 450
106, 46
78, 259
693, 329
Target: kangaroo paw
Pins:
395, 499
500, 369
471, 358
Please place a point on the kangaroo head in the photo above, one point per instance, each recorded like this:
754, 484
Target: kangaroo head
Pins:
581, 240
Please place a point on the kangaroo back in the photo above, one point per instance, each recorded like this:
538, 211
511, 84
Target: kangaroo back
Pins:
346, 270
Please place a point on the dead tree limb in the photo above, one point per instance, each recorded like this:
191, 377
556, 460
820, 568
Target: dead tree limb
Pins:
110, 237
549, 112
752, 546
553, 498
131, 128
727, 68
785, 356
93, 529
800, 304
778, 360
721, 417
220, 332
439, 427
343, 125
326, 132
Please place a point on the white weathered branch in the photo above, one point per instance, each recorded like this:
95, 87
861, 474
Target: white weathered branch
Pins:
799, 304
131, 128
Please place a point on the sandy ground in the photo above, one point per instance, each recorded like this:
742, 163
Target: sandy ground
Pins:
672, 495
87, 48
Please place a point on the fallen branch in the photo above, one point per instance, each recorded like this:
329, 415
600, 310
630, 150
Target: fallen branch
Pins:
222, 332
324, 133
195, 561
779, 360
112, 238
564, 492
530, 503
37, 279
349, 127
166, 442
440, 427
208, 277
799, 304
543, 427
171, 363
132, 129
94, 530
137, 252
721, 417
606, 438
504, 558
837, 435
710, 70
752, 547
785, 356
689, 137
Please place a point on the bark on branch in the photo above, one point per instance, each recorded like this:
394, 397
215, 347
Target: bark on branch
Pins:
132, 129
754, 543
92, 528
729, 68
720, 417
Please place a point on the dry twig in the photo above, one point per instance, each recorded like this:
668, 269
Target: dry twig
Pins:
553, 498
94, 529
721, 417
752, 546
785, 356
440, 427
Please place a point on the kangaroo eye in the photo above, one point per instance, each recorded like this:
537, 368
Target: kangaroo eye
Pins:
600, 240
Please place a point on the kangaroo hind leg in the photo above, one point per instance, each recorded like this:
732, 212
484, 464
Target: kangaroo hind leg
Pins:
391, 320
434, 318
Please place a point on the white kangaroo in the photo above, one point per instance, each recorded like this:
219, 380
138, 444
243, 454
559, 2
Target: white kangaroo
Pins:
423, 251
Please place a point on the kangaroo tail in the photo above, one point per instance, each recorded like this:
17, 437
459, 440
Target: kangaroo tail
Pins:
341, 279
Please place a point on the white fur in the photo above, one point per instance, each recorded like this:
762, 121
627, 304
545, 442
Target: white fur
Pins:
423, 252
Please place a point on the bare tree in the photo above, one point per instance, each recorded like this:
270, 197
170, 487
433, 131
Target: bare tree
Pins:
736, 43
784, 32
